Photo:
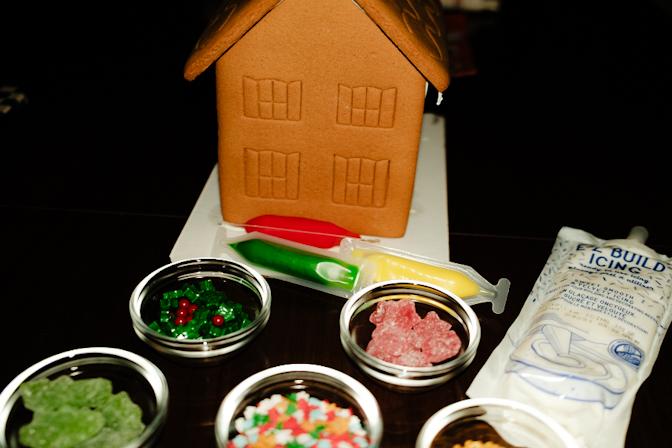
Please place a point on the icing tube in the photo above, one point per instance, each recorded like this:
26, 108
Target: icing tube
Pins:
587, 336
312, 232
379, 264
314, 267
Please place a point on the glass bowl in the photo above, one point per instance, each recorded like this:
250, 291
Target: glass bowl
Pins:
238, 282
356, 333
504, 423
322, 383
144, 383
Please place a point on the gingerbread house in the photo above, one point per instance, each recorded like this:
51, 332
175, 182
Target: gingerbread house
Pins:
320, 106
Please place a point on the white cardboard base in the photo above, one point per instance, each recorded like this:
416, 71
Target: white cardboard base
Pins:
426, 234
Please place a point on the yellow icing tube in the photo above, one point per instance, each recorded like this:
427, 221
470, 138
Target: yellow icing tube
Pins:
378, 264
381, 267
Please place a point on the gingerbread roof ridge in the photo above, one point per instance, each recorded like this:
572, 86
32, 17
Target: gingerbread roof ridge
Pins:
415, 27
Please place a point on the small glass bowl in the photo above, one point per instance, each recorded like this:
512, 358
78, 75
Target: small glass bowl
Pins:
356, 330
241, 283
504, 422
143, 381
318, 381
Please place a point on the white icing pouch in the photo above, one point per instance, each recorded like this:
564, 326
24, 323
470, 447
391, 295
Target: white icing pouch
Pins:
587, 336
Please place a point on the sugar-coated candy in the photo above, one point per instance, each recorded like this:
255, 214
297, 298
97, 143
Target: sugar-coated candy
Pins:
80, 413
66, 426
42, 394
401, 313
403, 337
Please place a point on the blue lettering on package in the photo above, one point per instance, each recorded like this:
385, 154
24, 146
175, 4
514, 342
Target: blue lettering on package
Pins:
628, 352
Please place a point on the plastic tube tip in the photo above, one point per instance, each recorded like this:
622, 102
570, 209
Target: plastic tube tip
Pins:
638, 233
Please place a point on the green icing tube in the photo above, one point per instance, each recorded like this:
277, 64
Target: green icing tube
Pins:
298, 263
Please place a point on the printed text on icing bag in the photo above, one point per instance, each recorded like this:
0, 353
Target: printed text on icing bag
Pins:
587, 336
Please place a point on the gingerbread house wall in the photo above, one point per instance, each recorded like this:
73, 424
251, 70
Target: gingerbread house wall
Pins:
319, 116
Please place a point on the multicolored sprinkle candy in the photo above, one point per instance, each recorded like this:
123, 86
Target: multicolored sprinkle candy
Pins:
298, 420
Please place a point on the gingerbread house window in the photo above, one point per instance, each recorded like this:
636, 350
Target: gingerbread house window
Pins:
366, 106
271, 174
272, 99
360, 181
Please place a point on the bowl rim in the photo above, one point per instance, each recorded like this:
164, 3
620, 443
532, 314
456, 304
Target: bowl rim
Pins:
408, 376
366, 400
154, 376
441, 417
136, 300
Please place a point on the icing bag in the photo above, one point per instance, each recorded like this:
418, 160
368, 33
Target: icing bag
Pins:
587, 336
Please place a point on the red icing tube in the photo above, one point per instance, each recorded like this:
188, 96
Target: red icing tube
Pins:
307, 231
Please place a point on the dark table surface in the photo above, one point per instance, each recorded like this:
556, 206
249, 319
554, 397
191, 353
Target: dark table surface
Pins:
565, 123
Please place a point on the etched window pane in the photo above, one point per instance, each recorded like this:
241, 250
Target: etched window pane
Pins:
388, 103
271, 174
294, 101
250, 94
271, 99
359, 181
366, 106
344, 115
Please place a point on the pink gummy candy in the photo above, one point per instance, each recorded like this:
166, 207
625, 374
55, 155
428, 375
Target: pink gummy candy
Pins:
402, 337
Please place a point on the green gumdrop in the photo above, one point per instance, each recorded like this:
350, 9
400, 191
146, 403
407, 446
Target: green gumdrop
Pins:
42, 394
109, 438
32, 393
121, 413
90, 392
63, 428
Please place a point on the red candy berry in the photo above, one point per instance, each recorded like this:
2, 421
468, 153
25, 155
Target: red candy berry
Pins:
217, 320
184, 312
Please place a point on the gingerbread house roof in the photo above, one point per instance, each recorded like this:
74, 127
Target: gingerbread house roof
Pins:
414, 26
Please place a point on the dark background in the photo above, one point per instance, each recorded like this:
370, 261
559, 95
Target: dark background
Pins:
566, 123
